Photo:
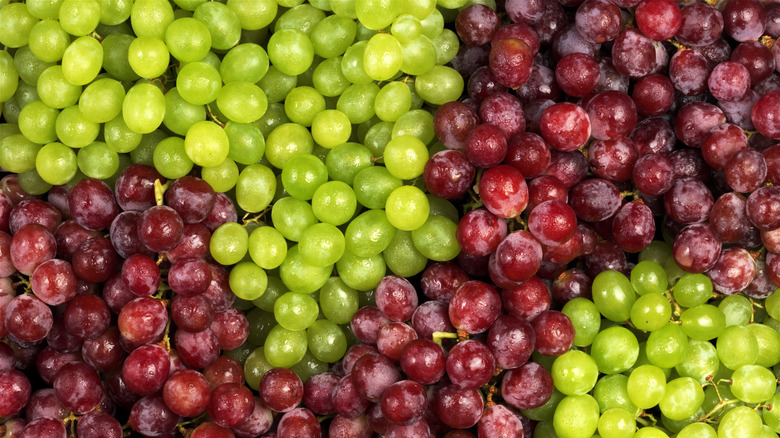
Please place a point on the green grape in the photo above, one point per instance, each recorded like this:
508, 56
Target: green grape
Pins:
361, 273
369, 233
180, 115
417, 123
242, 102
443, 207
54, 90
32, 182
113, 12
295, 311
616, 423
170, 158
343, 8
768, 340
648, 277
302, 105
48, 41
650, 432
585, 317
254, 15
273, 291
393, 101
673, 272
402, 257
611, 392
407, 208
446, 45
102, 100
771, 414
650, 312
646, 386
246, 142
332, 36
309, 366
439, 85
229, 243
753, 383
382, 57
79, 17
56, 163
615, 350
144, 152
148, 56
419, 56
115, 62
373, 186
287, 141
667, 345
352, 64
97, 160
302, 175
246, 62
357, 102
376, 14
737, 346
737, 309
247, 280
73, 129
25, 94
221, 177
740, 422
326, 341
37, 122
276, 85
574, 373
330, 128
772, 304
334, 202
291, 216
17, 153
338, 301
151, 17
346, 160
613, 295
256, 365
302, 17
260, 324
692, 290
267, 247
223, 24
284, 348
703, 322
42, 8
290, 51
405, 157
683, 396
206, 144
199, 83
377, 136
255, 188
301, 277
119, 137
321, 245
576, 416
188, 39
435, 239
328, 78
406, 27
143, 109
699, 362
697, 430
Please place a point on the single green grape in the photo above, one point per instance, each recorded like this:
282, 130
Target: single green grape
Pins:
328, 78
436, 240
357, 102
302, 277
73, 129
295, 311
221, 177
346, 160
753, 383
151, 17
574, 373
309, 366
352, 64
291, 216
290, 51
737, 309
576, 416
330, 128
383, 57
405, 157
373, 186
615, 350
79, 17
768, 339
17, 153
170, 158
206, 144
56, 163
32, 182
650, 312
361, 273
115, 47
616, 423
699, 362
692, 290
417, 123
611, 391
260, 324
326, 340
586, 319
683, 396
741, 421
446, 45
267, 247
198, 83
393, 101
613, 295
287, 141
37, 122
369, 233
648, 277
334, 202
102, 100
302, 175
242, 102
300, 16
658, 251
646, 386
439, 85
332, 35
419, 56
180, 115
187, 39
48, 40
229, 243
222, 22
255, 188
703, 322
667, 345
97, 160
377, 14
276, 84
55, 91
402, 257
247, 280
247, 62
148, 56
737, 346
254, 15
407, 208
273, 291
143, 109
338, 301
284, 348
321, 245
246, 142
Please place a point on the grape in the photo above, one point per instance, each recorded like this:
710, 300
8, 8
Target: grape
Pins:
576, 415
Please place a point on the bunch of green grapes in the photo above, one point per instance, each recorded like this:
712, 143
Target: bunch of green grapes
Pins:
658, 355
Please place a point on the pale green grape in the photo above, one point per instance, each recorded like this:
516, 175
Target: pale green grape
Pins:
768, 339
255, 188
255, 366
302, 17
229, 243
338, 301
151, 17
143, 108
692, 290
699, 361
330, 128
246, 62
43, 8
352, 64
97, 160
446, 45
615, 350
611, 391
393, 101
361, 273
574, 373
435, 239
73, 129
32, 182
295, 311
221, 177
650, 312
416, 123
180, 115
369, 233
79, 17
119, 136
697, 430
37, 122
248, 281
267, 247
373, 186
439, 85
48, 41
357, 102
276, 84
377, 14
206, 144
737, 309
648, 277
255, 14
753, 383
585, 317
382, 57
683, 396
667, 345
56, 163
102, 100
113, 12
613, 295
321, 244
302, 105
148, 56
737, 346
332, 36
9, 77
287, 141
406, 27
301, 277
658, 251
326, 341
346, 160
198, 83
407, 208
291, 216
284, 348
703, 322
334, 202
222, 22
242, 102
290, 51
419, 56
646, 386
418, 8
616, 423
576, 416
328, 78
740, 422
405, 157
302, 174
28, 67
246, 142
650, 432
17, 153
55, 91
187, 39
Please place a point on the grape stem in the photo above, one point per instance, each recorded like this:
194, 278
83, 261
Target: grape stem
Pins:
159, 191
438, 337
70, 421
673, 302
213, 116
708, 417
197, 420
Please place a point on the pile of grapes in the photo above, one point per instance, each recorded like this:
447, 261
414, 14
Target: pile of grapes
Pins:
398, 218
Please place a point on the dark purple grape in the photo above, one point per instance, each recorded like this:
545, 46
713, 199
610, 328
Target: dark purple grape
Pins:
613, 160
527, 387
191, 197
349, 427
595, 199
598, 21
150, 416
317, 392
504, 111
449, 174
688, 201
160, 228
744, 20
520, 31
634, 54
393, 337
512, 340
396, 297
701, 24
456, 407
142, 320
440, 280
404, 402
605, 256
347, 402
27, 318
224, 211
470, 364
98, 425
503, 191
546, 188
30, 246
653, 135
498, 421
431, 316
696, 248
733, 272
511, 61
104, 352
45, 427
124, 235
134, 187
366, 323
372, 374
766, 115
763, 208
298, 422
565, 126
87, 316
423, 361
44, 403
78, 386
479, 232
34, 211
452, 122
230, 404
95, 260
476, 24
91, 204
224, 370
259, 422
146, 369
197, 349
633, 227
281, 390
474, 307
653, 95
